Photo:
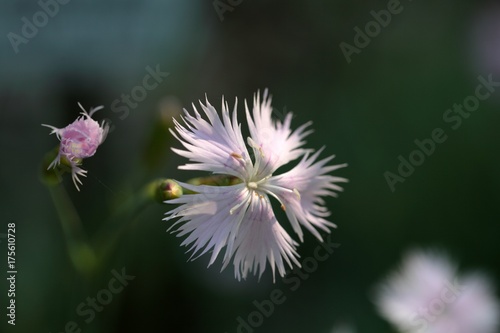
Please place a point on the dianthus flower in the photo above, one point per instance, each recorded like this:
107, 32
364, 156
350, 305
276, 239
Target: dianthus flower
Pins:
240, 217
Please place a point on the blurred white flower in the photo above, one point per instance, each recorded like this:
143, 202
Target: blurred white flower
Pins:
240, 217
79, 140
427, 296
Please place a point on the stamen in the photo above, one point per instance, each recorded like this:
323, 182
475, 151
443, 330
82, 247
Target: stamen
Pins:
283, 207
252, 185
253, 144
296, 193
236, 155
263, 180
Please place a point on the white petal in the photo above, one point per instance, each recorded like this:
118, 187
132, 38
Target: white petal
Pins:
262, 239
250, 234
275, 143
57, 131
206, 219
301, 189
75, 172
216, 145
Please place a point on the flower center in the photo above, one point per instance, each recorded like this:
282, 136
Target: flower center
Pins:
252, 185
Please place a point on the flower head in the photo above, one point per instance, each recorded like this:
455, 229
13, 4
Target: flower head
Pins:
427, 296
240, 217
79, 140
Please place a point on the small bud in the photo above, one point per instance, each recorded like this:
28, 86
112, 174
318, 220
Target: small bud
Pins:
164, 189
79, 140
169, 189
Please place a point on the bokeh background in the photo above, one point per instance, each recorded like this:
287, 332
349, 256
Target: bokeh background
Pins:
366, 112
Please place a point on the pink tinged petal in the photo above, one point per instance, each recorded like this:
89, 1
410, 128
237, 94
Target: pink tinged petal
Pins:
206, 219
235, 218
215, 145
274, 142
262, 239
301, 191
81, 138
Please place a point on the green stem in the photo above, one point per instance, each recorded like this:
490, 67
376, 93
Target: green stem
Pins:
81, 254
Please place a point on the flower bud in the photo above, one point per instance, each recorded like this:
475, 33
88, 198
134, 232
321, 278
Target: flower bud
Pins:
79, 140
164, 189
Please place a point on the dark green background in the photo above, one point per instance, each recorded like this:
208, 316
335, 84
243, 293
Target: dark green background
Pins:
367, 113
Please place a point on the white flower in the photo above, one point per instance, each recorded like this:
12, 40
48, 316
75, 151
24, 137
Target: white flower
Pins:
240, 218
79, 140
427, 296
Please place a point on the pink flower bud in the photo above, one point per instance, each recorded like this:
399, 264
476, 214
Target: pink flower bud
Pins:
79, 140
